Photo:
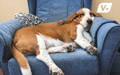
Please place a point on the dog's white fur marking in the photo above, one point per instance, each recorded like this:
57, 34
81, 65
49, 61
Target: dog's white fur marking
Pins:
26, 71
62, 48
80, 39
50, 42
55, 45
45, 57
83, 38
56, 49
87, 36
86, 17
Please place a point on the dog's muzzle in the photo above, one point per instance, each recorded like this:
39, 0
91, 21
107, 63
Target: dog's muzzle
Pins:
89, 21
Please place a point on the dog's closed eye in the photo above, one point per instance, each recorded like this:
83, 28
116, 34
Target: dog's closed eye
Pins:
92, 14
82, 14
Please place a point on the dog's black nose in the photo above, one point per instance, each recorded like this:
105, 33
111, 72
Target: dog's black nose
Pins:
89, 21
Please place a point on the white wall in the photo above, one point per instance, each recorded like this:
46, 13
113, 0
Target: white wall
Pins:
8, 8
115, 11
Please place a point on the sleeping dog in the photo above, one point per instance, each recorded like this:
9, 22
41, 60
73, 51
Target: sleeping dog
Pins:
53, 37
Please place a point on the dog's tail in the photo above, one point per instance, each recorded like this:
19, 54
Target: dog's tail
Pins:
22, 61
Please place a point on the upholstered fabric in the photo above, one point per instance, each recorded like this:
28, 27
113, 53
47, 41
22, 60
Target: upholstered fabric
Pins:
53, 10
32, 6
7, 29
116, 65
86, 61
104, 32
72, 63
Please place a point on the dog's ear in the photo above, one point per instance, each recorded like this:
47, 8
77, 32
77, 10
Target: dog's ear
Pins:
71, 17
62, 22
96, 14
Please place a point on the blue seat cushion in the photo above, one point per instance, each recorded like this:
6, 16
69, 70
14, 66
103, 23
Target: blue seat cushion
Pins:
72, 63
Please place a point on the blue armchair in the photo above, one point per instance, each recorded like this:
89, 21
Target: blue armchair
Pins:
104, 32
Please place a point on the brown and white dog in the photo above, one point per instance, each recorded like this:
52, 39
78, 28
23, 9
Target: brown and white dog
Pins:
53, 37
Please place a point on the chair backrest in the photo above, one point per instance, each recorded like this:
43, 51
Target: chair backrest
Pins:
53, 10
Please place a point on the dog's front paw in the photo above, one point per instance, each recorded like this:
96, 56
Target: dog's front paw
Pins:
70, 48
92, 50
57, 71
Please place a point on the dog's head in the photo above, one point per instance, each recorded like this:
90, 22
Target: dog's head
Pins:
84, 16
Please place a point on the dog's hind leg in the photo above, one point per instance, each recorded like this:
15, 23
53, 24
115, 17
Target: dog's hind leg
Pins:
45, 57
67, 47
22, 61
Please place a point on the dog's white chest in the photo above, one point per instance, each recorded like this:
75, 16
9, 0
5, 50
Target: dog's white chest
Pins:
50, 42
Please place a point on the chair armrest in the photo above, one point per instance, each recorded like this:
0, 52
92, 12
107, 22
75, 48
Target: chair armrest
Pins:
111, 45
1, 50
105, 33
7, 30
